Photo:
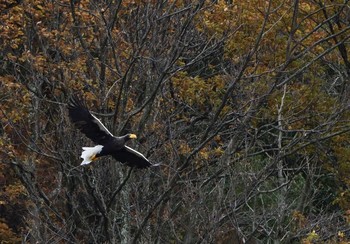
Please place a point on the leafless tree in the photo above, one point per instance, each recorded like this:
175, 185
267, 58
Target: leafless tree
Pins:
266, 171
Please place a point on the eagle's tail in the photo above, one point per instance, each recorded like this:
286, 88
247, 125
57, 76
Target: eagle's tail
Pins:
89, 153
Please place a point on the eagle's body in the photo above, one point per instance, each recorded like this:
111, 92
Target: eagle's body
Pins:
107, 144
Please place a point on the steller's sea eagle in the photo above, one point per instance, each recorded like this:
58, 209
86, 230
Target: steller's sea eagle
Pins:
107, 144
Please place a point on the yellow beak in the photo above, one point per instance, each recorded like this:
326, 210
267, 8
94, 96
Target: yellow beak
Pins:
132, 136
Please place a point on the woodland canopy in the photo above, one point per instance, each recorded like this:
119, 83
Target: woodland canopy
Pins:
244, 104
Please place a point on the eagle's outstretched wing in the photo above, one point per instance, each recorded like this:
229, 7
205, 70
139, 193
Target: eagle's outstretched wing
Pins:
88, 123
131, 157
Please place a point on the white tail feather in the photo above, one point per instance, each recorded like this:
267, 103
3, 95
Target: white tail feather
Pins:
89, 153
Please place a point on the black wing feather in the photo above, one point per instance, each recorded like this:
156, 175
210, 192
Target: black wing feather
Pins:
131, 158
87, 123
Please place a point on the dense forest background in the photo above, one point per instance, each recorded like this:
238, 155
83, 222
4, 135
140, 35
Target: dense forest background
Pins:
244, 104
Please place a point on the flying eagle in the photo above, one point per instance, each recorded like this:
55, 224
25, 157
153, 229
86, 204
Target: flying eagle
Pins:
107, 144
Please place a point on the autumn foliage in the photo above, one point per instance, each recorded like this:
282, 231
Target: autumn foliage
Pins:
244, 104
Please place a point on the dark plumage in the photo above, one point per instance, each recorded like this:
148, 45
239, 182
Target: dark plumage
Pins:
107, 144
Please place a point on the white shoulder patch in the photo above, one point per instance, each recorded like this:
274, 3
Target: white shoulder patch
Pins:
100, 125
136, 152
